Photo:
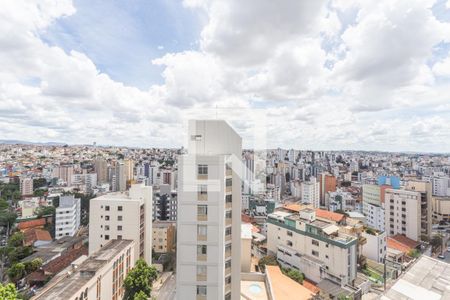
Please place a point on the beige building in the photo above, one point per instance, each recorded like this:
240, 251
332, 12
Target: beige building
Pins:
425, 189
315, 247
164, 234
402, 213
101, 168
123, 215
441, 209
209, 213
246, 247
26, 186
99, 276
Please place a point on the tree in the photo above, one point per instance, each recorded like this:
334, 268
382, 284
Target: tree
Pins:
414, 253
140, 296
16, 272
8, 292
31, 266
39, 182
269, 260
45, 211
139, 279
294, 275
16, 240
436, 241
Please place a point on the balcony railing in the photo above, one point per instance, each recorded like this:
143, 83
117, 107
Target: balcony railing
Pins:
228, 221
202, 217
201, 257
202, 197
228, 189
201, 237
201, 277
228, 237
202, 176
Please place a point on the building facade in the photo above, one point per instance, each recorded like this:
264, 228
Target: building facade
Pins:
311, 192
209, 213
164, 234
123, 215
67, 216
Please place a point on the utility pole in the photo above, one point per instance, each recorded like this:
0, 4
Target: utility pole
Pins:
384, 272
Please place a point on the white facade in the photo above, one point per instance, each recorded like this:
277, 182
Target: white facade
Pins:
402, 213
85, 182
123, 215
99, 276
209, 214
26, 186
311, 192
441, 186
375, 216
375, 247
68, 216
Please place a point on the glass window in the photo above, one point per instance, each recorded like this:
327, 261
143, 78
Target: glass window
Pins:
119, 228
106, 218
228, 214
107, 207
201, 290
202, 169
201, 270
202, 209
229, 182
106, 237
228, 198
202, 229
119, 218
203, 189
119, 208
201, 250
228, 231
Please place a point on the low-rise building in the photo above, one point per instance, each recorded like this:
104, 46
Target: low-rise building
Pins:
441, 209
163, 236
315, 247
100, 276
375, 247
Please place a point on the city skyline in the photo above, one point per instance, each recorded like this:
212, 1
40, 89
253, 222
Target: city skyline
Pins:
335, 75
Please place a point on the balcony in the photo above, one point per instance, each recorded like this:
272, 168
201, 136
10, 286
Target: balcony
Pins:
202, 176
202, 197
229, 172
228, 237
228, 189
201, 297
228, 221
201, 237
227, 253
201, 277
202, 217
227, 271
201, 257
228, 204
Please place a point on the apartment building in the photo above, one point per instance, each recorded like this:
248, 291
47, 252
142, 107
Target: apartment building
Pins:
311, 192
441, 209
375, 247
327, 184
315, 247
403, 213
101, 168
123, 215
99, 276
164, 234
373, 202
26, 186
425, 189
165, 204
85, 182
209, 213
67, 216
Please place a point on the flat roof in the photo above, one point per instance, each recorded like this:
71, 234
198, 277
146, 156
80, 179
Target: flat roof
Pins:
284, 288
428, 278
66, 287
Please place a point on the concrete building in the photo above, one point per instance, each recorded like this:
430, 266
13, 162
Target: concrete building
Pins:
164, 234
123, 215
101, 168
246, 247
99, 276
327, 184
441, 185
425, 189
165, 204
209, 213
315, 247
26, 186
67, 216
375, 247
373, 202
311, 192
402, 213
85, 182
129, 169
441, 209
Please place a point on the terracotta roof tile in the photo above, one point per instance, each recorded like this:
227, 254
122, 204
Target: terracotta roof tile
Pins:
325, 214
31, 224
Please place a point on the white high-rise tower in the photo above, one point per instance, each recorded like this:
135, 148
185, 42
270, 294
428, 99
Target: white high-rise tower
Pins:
209, 213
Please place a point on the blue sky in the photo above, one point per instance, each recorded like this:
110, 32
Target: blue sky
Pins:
123, 39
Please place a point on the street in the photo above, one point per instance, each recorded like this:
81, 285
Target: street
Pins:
167, 291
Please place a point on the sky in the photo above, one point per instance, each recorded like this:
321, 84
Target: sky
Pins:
320, 75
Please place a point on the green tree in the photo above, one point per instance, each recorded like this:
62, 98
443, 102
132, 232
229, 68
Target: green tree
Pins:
16, 240
45, 211
139, 279
16, 272
7, 219
294, 275
31, 266
8, 292
140, 296
414, 253
269, 260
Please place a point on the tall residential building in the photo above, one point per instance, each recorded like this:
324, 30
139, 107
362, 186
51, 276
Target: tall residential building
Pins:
64, 172
209, 213
26, 186
164, 234
373, 203
99, 276
402, 213
67, 216
441, 209
119, 177
441, 185
101, 168
311, 192
425, 189
129, 169
123, 215
165, 204
327, 184
315, 247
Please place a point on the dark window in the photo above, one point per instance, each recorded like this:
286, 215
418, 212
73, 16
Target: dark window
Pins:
229, 182
202, 169
106, 237
107, 207
119, 208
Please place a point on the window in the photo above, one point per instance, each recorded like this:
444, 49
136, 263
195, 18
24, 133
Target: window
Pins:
107, 207
201, 270
228, 214
228, 264
119, 237
315, 253
119, 218
202, 230
202, 169
201, 290
201, 250
119, 208
202, 209
106, 227
203, 189
228, 231
289, 233
315, 243
289, 243
228, 198
106, 218
228, 280
229, 182
119, 227
106, 237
